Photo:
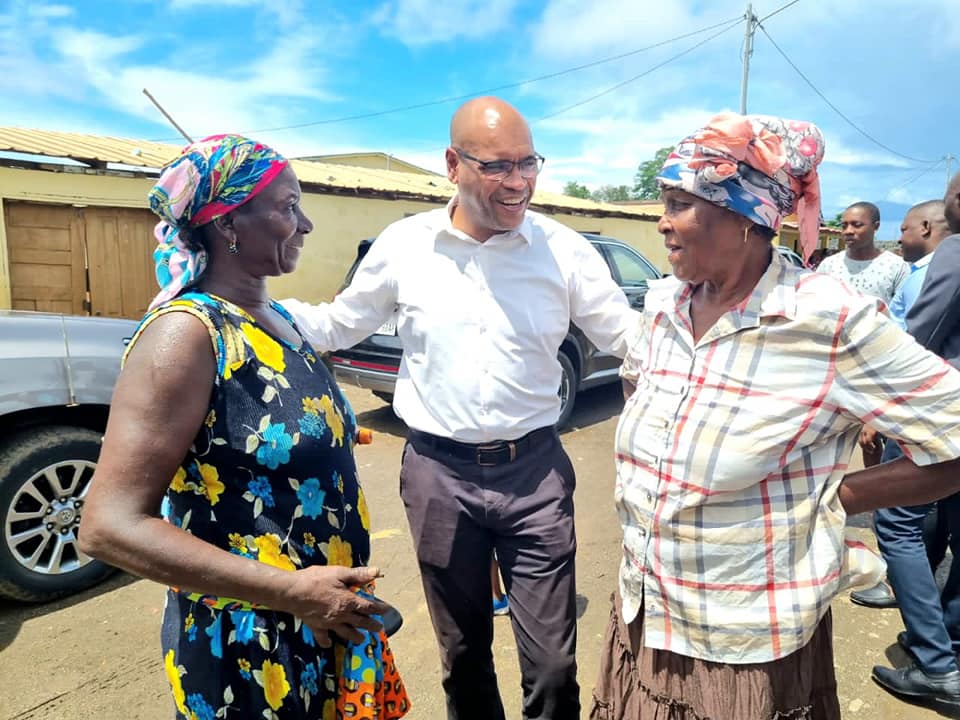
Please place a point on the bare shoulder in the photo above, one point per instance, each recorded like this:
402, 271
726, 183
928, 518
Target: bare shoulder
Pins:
178, 344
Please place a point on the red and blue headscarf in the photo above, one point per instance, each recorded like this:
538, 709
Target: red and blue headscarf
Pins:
757, 166
210, 178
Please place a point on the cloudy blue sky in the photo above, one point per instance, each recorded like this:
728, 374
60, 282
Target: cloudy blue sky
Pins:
255, 66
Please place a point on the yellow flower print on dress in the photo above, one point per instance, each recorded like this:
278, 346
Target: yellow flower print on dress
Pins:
339, 552
212, 487
269, 552
211, 418
235, 351
273, 678
173, 676
362, 509
237, 543
334, 421
311, 405
267, 350
178, 484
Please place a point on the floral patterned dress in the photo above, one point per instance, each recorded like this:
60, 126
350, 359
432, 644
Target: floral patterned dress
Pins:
270, 477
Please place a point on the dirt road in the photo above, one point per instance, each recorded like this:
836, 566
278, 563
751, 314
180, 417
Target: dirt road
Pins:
97, 655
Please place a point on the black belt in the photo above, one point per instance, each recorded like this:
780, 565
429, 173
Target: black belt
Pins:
488, 454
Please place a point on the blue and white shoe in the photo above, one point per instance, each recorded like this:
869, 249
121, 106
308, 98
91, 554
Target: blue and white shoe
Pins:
501, 606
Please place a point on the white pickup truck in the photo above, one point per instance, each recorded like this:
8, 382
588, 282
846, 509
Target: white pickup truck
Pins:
57, 374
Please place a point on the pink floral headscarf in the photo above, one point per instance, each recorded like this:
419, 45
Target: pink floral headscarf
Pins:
757, 166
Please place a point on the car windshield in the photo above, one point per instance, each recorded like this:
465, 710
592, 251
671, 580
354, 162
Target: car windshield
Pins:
633, 270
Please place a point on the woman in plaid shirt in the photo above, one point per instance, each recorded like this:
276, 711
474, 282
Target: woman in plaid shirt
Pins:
748, 384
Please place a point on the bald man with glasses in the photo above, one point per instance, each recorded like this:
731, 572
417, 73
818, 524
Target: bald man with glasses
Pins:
485, 290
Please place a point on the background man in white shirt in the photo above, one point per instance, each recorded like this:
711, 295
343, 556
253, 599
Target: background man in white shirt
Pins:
868, 270
862, 265
484, 291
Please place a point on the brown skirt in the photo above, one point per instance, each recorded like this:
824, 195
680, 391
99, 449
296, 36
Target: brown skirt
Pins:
641, 683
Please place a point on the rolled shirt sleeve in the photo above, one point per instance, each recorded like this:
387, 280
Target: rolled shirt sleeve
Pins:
364, 305
598, 305
889, 381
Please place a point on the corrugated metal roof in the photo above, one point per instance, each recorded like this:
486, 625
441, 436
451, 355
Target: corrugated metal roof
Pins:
98, 150
95, 148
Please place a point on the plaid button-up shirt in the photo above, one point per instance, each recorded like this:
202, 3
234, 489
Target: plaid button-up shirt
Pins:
731, 451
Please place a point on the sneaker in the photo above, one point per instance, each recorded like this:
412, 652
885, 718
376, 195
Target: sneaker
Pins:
501, 606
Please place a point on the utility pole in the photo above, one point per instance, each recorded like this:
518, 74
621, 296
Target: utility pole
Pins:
750, 28
949, 158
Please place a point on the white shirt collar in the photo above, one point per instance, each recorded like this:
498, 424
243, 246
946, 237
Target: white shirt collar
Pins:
925, 260
524, 230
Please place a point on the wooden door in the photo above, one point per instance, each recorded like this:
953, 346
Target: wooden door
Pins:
58, 253
120, 254
45, 246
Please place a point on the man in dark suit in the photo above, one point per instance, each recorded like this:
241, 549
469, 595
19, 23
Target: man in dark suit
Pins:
932, 619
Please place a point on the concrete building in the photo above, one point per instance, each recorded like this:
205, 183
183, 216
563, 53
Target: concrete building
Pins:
77, 236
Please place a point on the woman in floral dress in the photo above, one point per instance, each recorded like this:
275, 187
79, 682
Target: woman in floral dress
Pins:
264, 534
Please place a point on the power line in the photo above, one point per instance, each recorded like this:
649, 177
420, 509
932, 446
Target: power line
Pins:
778, 10
919, 175
646, 72
454, 98
837, 110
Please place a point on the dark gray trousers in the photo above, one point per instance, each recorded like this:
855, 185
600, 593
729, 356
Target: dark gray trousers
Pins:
459, 513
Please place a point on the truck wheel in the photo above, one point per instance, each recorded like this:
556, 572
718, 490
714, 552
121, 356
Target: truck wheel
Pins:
44, 478
568, 388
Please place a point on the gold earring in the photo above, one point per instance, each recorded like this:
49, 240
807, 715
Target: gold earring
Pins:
232, 246
746, 233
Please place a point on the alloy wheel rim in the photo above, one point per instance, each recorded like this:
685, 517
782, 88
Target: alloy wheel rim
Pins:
42, 521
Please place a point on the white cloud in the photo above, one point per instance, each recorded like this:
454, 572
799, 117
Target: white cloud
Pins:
838, 153
902, 195
50, 56
204, 4
574, 28
417, 23
289, 13
94, 48
610, 146
49, 11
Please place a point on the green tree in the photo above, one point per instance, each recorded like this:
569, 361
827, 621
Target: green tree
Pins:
575, 189
837, 221
612, 193
645, 181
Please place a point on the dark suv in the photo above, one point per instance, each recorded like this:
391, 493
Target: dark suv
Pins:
375, 362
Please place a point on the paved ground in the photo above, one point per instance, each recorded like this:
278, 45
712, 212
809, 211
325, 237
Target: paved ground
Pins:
96, 655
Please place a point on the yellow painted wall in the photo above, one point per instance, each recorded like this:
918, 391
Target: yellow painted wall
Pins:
6, 300
641, 234
374, 161
340, 222
70, 188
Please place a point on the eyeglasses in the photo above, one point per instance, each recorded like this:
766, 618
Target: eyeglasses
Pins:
501, 169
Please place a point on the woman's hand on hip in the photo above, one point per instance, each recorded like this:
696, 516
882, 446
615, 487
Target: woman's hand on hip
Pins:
325, 598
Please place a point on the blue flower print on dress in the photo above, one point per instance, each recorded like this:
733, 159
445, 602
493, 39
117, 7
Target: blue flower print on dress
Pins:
307, 634
311, 497
275, 449
313, 425
243, 625
260, 487
200, 708
216, 641
284, 498
308, 679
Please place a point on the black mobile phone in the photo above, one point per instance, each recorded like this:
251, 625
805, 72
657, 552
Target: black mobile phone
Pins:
392, 621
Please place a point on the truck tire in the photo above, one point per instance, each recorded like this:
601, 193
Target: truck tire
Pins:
44, 478
568, 388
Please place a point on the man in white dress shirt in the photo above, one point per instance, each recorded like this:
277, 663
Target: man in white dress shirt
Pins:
485, 290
